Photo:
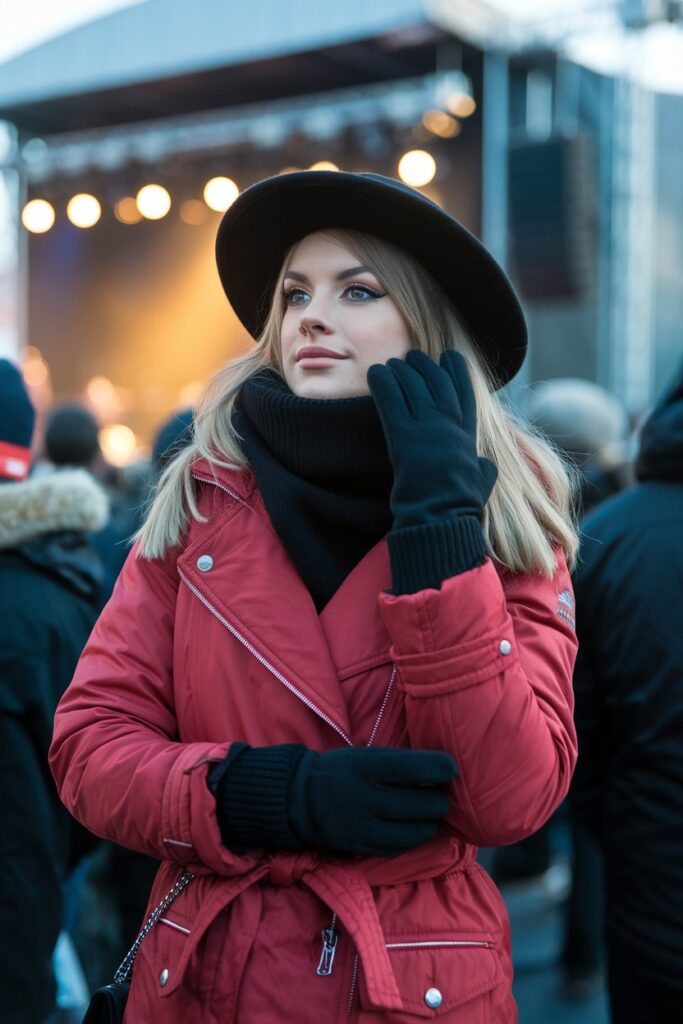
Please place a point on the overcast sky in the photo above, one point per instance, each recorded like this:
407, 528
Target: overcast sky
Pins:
655, 55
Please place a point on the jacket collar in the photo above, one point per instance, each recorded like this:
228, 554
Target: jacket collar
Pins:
240, 480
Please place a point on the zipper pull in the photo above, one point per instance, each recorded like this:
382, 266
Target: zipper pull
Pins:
330, 937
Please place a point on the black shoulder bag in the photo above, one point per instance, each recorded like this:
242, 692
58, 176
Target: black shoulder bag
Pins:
108, 1003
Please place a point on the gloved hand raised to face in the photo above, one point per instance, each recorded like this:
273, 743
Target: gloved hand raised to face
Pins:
441, 485
370, 801
429, 417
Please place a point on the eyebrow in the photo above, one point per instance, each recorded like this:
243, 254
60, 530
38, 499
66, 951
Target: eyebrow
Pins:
341, 276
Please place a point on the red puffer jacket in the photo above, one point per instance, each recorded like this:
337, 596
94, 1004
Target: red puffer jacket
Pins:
220, 641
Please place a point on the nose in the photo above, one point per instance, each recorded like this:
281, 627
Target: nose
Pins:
314, 326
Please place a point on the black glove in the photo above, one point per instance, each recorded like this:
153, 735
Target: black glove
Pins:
429, 417
371, 801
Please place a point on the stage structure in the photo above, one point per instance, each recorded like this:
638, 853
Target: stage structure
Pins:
122, 188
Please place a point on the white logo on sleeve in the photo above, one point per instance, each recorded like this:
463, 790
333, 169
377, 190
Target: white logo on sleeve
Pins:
565, 608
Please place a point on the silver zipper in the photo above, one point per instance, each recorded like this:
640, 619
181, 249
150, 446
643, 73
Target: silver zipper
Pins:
354, 982
383, 708
405, 945
437, 944
259, 657
172, 924
330, 939
222, 487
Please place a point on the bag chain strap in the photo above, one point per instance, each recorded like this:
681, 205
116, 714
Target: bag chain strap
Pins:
125, 970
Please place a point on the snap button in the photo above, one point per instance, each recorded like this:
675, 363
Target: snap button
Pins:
163, 977
433, 998
505, 646
204, 563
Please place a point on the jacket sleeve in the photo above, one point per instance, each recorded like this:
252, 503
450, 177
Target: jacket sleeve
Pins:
486, 670
120, 766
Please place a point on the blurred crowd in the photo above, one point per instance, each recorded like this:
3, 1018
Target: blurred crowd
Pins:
73, 903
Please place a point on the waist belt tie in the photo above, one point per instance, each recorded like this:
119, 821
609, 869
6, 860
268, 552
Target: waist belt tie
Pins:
346, 889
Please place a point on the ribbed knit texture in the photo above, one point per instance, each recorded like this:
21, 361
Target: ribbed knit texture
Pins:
252, 796
323, 470
424, 556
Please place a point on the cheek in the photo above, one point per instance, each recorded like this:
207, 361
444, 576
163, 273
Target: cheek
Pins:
387, 338
288, 334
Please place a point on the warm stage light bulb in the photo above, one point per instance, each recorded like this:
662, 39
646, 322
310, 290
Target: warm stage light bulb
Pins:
153, 201
38, 216
83, 210
220, 193
417, 167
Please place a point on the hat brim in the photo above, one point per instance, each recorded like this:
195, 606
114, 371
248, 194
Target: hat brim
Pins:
271, 216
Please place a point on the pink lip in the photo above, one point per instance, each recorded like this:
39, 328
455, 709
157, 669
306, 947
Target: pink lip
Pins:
316, 352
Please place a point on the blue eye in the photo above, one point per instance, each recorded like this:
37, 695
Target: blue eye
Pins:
361, 293
295, 296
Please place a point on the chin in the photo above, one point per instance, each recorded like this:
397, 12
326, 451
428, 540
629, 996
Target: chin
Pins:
327, 388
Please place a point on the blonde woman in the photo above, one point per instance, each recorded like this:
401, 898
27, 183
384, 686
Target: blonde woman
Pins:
339, 658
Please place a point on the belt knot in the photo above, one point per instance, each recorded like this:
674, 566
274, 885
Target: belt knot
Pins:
287, 869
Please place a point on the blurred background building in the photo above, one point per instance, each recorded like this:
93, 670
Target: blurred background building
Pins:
126, 135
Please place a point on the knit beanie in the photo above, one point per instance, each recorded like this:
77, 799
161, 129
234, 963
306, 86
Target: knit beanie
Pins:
71, 436
17, 417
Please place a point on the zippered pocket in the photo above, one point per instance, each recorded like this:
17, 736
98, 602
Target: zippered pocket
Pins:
437, 976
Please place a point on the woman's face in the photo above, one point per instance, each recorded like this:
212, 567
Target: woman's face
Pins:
333, 303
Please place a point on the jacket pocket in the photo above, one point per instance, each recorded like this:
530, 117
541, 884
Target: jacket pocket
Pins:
443, 977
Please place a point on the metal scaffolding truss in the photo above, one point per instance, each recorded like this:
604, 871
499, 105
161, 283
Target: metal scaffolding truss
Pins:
263, 125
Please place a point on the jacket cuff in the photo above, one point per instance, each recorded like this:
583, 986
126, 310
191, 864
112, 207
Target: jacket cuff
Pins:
252, 795
422, 557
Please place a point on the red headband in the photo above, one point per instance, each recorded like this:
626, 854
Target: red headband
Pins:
15, 461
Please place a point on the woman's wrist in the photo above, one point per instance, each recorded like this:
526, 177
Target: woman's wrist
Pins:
252, 796
422, 557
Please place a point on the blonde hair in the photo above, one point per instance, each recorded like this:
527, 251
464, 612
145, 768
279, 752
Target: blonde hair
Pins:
530, 510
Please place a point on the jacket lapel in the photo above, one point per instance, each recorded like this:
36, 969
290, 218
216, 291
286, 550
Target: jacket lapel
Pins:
256, 590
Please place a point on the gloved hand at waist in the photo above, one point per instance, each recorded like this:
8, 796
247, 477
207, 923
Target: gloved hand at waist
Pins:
369, 801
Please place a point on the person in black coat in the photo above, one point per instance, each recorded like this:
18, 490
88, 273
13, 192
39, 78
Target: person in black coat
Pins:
50, 580
628, 787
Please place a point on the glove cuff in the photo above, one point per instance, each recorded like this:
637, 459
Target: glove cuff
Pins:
252, 797
424, 556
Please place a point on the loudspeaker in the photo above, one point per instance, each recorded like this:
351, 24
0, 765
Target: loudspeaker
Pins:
553, 217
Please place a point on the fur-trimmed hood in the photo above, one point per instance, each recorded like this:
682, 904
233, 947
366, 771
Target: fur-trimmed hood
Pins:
66, 500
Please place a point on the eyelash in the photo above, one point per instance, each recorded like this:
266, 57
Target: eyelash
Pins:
289, 292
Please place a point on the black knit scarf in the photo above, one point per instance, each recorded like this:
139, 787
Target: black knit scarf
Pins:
323, 470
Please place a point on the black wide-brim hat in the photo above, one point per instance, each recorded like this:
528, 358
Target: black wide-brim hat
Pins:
267, 219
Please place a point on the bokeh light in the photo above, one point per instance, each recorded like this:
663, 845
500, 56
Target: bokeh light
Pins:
126, 211
323, 165
35, 370
192, 211
438, 122
417, 167
38, 216
154, 201
118, 443
220, 193
83, 210
461, 104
